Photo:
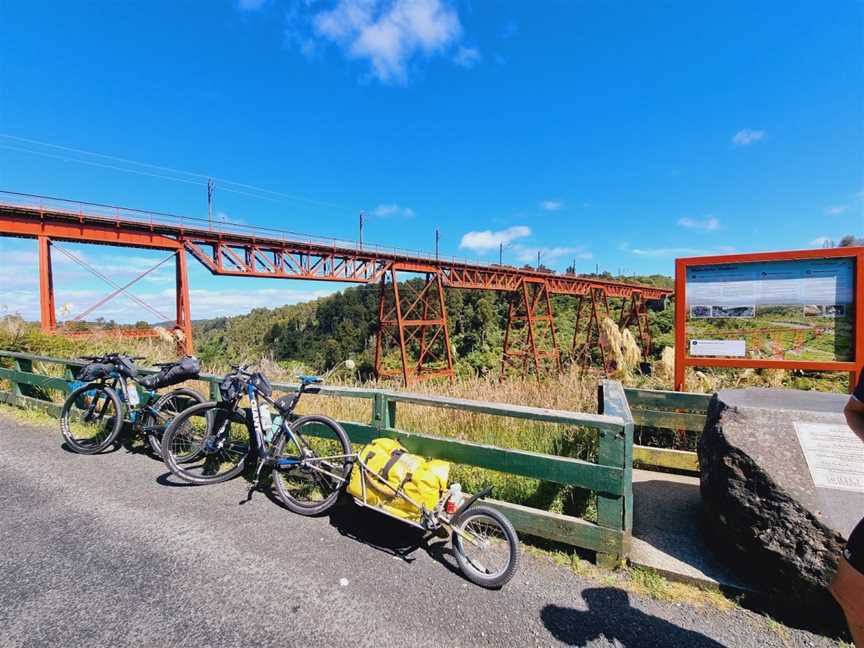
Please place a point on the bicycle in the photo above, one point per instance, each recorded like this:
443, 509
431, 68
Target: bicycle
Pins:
309, 455
311, 462
93, 414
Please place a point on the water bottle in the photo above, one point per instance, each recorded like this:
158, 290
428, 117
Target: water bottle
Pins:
264, 414
455, 499
270, 433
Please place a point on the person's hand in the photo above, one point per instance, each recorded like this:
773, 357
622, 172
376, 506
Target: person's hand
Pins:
854, 412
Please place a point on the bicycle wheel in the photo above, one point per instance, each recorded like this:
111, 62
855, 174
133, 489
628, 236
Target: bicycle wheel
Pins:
206, 444
156, 419
488, 554
310, 473
91, 418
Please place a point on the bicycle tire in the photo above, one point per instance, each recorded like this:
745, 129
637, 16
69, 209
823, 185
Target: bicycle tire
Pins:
187, 470
470, 569
154, 437
293, 503
115, 425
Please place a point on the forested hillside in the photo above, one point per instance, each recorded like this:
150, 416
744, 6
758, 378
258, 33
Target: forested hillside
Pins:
320, 333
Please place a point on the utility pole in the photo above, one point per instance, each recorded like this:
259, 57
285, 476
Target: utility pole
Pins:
362, 218
500, 254
211, 187
538, 259
437, 240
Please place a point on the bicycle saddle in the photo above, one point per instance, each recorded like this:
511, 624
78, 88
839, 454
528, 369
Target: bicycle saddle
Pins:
310, 380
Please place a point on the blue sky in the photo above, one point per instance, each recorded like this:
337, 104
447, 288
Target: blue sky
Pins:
616, 134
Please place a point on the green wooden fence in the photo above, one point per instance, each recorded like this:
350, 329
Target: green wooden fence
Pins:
610, 477
670, 410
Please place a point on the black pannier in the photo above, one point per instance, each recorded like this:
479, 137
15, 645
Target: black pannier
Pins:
186, 369
94, 371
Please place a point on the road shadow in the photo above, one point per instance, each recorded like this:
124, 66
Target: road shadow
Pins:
388, 535
611, 616
168, 479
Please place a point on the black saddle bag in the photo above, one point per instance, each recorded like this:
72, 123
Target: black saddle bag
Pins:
186, 369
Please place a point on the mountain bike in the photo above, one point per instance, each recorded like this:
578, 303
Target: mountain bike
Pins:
105, 392
310, 456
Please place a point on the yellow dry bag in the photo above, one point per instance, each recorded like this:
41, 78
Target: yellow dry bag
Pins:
395, 471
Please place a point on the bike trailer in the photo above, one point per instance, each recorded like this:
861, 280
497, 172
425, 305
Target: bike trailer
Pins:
394, 470
186, 369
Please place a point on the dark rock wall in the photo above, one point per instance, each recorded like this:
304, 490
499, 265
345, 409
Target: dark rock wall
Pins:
769, 536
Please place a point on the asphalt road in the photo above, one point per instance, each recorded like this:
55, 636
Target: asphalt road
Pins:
105, 551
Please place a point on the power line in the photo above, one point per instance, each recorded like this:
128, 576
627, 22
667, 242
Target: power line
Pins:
97, 164
201, 178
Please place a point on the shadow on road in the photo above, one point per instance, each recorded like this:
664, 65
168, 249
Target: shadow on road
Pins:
610, 615
168, 479
388, 535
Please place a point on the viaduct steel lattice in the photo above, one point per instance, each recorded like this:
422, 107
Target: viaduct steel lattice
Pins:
413, 325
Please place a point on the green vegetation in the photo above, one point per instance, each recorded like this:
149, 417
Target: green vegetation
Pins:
323, 332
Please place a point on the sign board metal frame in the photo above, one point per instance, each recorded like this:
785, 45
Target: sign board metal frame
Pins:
683, 359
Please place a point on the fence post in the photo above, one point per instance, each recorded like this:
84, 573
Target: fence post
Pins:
23, 365
383, 412
616, 449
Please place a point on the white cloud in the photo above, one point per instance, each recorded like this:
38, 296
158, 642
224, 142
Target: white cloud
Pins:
467, 57
834, 210
488, 240
393, 210
389, 34
821, 241
549, 255
551, 205
709, 223
250, 5
747, 136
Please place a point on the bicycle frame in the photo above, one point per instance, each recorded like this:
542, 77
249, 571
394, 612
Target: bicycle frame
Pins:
135, 405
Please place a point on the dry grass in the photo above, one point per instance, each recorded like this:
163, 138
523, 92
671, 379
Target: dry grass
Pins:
572, 393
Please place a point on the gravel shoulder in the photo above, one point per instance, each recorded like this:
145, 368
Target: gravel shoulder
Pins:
110, 551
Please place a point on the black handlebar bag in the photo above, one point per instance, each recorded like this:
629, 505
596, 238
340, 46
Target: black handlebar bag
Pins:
94, 371
186, 369
231, 388
125, 365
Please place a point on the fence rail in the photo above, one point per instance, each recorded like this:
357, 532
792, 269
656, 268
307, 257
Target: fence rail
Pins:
610, 477
671, 410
